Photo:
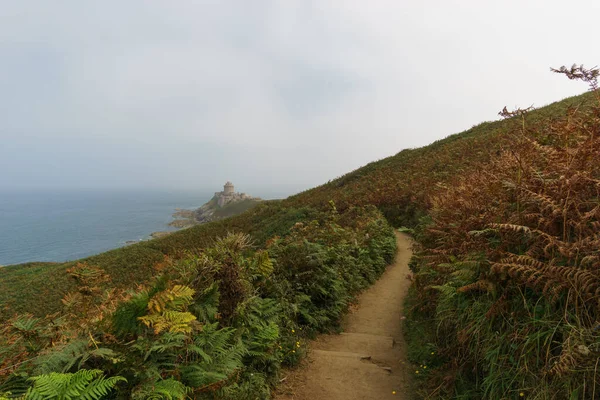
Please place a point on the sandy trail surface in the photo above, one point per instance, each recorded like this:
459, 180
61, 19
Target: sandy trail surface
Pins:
366, 361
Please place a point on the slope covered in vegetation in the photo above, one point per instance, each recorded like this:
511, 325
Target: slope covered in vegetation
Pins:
39, 287
509, 265
216, 324
506, 283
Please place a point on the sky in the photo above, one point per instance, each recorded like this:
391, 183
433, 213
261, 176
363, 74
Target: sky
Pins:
186, 94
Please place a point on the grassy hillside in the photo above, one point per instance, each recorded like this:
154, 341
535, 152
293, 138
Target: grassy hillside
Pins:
401, 186
231, 209
505, 300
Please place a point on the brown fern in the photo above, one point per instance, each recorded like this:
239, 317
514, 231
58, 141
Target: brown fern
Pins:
481, 285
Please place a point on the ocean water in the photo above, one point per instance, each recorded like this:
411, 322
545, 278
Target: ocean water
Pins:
67, 225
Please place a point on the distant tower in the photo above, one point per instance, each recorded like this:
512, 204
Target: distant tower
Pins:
228, 188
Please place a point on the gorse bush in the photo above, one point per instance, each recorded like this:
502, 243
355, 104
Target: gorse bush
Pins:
218, 324
509, 264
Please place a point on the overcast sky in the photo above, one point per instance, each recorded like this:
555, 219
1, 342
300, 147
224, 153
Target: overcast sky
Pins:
181, 94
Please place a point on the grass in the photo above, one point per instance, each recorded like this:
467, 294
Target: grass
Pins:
235, 208
404, 187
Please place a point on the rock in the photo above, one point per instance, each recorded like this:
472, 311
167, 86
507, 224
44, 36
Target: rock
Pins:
220, 206
223, 204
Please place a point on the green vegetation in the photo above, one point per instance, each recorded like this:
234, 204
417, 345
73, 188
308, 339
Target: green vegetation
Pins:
217, 324
38, 288
235, 208
504, 304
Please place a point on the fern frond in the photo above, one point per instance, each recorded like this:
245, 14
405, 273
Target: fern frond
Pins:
84, 384
172, 321
483, 232
482, 285
26, 325
125, 319
216, 354
164, 389
262, 263
232, 244
61, 358
464, 274
511, 227
522, 259
175, 298
224, 362
206, 305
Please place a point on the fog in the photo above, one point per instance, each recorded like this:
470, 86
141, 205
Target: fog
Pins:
185, 94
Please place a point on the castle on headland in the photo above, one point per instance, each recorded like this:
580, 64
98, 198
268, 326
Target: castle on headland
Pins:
228, 188
228, 195
222, 205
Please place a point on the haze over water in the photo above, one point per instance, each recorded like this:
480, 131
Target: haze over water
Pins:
65, 225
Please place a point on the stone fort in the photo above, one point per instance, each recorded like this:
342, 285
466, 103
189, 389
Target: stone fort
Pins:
228, 195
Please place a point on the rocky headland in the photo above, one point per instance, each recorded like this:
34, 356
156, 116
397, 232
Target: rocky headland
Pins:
222, 205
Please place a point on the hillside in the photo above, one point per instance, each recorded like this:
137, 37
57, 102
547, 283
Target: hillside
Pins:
504, 302
401, 186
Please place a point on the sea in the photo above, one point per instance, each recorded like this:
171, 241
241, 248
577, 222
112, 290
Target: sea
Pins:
53, 225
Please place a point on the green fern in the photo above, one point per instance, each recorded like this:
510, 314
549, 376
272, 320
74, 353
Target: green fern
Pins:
60, 358
250, 386
216, 354
206, 305
125, 319
232, 245
71, 355
222, 365
26, 324
168, 343
167, 310
446, 305
172, 321
176, 298
16, 384
258, 320
164, 389
262, 264
27, 331
84, 384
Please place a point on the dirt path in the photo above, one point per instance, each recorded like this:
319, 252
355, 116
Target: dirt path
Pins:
367, 360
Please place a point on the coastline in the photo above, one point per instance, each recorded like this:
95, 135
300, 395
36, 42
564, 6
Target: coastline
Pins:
76, 225
62, 225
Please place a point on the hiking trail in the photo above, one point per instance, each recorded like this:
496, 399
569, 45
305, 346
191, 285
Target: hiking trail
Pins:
367, 360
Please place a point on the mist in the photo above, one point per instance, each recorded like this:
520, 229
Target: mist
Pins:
148, 94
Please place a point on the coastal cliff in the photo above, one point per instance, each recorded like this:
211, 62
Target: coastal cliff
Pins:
224, 204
